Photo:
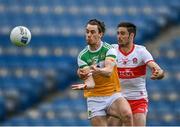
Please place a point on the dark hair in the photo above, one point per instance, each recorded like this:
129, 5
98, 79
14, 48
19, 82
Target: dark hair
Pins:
101, 25
130, 27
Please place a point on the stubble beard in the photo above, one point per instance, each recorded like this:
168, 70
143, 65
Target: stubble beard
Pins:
123, 44
93, 45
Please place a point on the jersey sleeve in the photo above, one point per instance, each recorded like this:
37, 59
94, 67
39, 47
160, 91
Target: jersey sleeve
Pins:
111, 53
81, 63
146, 55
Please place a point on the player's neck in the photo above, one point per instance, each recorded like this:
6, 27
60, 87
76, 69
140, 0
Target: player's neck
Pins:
127, 48
95, 47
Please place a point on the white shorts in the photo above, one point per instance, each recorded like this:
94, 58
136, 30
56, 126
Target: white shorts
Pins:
97, 106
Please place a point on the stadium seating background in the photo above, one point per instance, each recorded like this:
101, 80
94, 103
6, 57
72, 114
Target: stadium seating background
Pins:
35, 80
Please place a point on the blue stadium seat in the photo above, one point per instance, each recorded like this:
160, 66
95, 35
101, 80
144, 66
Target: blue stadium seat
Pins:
3, 108
60, 31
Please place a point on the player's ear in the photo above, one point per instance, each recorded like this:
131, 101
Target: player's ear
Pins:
131, 36
101, 35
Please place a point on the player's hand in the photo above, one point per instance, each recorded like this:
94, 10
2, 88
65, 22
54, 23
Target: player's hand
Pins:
157, 74
83, 74
79, 86
94, 69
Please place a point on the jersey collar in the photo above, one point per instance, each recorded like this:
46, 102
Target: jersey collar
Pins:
93, 51
127, 53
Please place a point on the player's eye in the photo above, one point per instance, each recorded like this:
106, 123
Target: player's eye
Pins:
93, 31
87, 31
122, 33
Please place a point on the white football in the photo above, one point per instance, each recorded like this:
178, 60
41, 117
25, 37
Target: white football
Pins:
20, 36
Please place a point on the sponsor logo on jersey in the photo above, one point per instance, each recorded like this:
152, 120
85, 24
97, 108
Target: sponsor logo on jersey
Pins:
126, 73
132, 72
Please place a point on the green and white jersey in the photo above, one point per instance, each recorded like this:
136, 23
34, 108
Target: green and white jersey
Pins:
88, 57
104, 86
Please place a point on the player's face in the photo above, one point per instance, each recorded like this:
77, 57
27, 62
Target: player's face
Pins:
123, 36
93, 36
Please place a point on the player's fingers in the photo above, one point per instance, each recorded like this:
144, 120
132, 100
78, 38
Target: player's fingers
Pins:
84, 77
82, 74
74, 86
153, 77
77, 86
80, 70
156, 72
90, 71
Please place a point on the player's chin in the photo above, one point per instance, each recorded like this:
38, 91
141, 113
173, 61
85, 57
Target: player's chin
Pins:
89, 41
121, 45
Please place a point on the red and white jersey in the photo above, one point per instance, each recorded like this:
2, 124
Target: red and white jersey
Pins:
132, 71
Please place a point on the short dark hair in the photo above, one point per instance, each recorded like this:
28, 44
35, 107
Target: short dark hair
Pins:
130, 27
101, 25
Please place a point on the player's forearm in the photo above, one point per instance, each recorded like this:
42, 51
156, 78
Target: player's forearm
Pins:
108, 69
89, 82
105, 71
153, 66
156, 69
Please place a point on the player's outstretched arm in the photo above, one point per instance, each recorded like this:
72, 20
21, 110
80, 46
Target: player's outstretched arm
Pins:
88, 80
157, 72
88, 84
107, 70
